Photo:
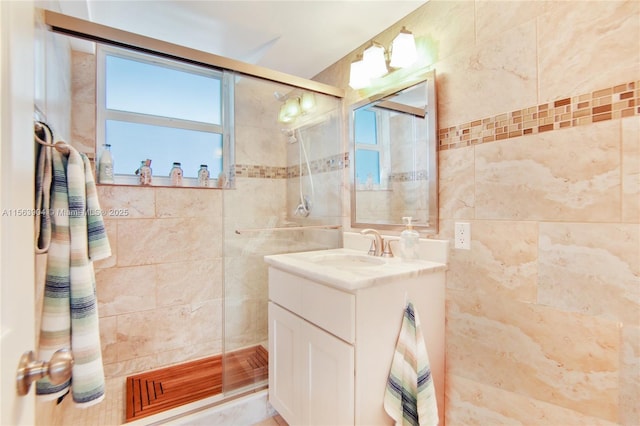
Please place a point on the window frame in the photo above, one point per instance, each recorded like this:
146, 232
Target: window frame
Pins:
381, 147
226, 128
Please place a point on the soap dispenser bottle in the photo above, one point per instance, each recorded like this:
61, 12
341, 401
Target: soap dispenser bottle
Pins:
409, 241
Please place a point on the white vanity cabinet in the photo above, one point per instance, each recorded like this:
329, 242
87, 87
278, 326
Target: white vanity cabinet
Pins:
311, 372
330, 348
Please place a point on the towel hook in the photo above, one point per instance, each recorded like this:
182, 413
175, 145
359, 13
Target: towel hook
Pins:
61, 146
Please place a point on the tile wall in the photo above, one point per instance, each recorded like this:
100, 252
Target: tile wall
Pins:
539, 151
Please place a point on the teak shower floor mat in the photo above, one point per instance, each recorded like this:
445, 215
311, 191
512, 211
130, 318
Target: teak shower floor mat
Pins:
155, 391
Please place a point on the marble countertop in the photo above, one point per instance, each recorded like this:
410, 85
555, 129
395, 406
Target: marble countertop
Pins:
348, 278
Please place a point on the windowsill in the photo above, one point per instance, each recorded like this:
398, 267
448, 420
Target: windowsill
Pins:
160, 182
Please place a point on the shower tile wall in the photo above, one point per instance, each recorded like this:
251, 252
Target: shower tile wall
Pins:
160, 294
543, 323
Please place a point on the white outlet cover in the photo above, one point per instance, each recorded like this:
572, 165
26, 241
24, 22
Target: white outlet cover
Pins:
462, 235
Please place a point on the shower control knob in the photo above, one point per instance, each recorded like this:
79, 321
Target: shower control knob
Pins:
30, 370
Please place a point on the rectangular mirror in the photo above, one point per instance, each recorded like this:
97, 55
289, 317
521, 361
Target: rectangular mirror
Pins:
394, 171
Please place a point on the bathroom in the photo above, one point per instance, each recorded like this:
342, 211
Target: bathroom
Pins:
542, 312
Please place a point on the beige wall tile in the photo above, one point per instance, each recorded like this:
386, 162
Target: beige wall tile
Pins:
83, 77
573, 36
246, 276
488, 79
591, 269
473, 403
125, 290
186, 202
493, 18
551, 177
149, 332
189, 282
240, 319
131, 366
630, 376
148, 241
502, 260
557, 357
136, 202
631, 170
109, 339
112, 234
456, 184
136, 335
260, 146
206, 324
254, 203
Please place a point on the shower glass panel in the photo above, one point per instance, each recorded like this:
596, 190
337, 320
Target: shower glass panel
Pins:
281, 161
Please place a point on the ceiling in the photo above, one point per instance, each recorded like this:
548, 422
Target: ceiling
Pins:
298, 37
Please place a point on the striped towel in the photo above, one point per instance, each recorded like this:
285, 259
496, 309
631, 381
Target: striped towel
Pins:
43, 195
70, 314
410, 397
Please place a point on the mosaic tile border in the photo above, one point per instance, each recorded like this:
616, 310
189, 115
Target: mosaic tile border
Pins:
614, 102
408, 176
323, 165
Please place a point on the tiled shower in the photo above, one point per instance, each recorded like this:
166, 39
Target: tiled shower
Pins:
186, 279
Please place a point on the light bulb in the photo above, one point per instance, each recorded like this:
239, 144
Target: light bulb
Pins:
403, 50
292, 107
373, 57
358, 76
307, 101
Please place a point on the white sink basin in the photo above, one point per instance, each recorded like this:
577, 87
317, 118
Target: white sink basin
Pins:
347, 261
349, 269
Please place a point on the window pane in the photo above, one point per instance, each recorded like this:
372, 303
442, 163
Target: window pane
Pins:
365, 127
134, 142
155, 89
368, 165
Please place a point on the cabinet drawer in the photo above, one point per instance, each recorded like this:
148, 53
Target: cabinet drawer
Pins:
330, 309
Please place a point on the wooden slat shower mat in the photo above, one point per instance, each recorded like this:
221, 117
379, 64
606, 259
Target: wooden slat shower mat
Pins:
159, 390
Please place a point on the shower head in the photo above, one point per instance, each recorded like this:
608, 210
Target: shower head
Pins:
291, 135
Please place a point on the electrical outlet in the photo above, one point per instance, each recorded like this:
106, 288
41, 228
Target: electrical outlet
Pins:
462, 235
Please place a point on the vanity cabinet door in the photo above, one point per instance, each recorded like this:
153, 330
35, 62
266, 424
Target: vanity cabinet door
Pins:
311, 372
328, 379
285, 334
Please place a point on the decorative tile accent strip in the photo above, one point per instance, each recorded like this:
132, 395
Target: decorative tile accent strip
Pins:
611, 103
408, 176
323, 165
264, 172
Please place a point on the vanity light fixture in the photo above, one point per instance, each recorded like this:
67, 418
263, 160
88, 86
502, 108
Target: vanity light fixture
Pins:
373, 64
374, 61
403, 50
307, 102
358, 76
296, 106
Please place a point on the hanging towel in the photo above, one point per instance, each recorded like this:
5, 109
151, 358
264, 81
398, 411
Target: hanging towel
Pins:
43, 194
410, 397
70, 314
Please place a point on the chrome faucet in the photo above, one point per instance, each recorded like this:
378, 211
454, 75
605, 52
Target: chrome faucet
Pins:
377, 243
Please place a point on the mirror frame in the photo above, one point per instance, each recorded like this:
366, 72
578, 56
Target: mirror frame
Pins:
432, 166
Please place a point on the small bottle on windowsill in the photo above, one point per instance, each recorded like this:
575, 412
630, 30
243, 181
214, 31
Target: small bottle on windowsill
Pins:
176, 174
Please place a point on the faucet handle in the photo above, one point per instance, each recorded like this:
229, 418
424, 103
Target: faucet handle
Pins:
387, 249
372, 248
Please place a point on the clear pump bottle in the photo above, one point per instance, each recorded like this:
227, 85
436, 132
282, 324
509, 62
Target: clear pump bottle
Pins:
409, 241
105, 165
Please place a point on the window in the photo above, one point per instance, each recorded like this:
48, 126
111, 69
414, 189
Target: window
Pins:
371, 155
166, 111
